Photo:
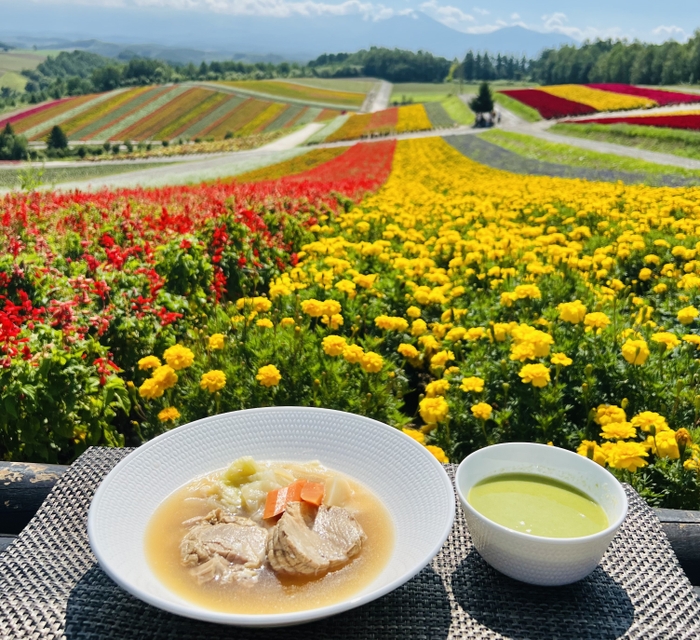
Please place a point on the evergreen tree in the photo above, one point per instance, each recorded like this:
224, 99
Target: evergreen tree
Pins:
57, 139
483, 103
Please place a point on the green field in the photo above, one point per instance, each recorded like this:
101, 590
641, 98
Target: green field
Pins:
518, 108
10, 178
678, 142
12, 62
353, 85
458, 111
537, 149
425, 91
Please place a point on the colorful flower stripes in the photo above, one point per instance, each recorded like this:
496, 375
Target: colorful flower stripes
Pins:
164, 113
561, 101
672, 121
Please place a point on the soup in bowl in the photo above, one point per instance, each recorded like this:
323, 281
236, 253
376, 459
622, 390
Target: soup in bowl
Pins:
539, 514
270, 517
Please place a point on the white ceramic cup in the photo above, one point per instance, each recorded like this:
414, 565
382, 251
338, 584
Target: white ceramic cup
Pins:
537, 559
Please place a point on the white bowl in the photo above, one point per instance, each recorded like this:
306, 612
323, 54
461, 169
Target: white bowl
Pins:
537, 559
405, 476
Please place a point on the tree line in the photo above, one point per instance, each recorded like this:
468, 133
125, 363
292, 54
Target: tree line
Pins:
626, 62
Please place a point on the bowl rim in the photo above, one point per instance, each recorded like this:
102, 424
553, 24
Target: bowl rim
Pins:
263, 620
593, 537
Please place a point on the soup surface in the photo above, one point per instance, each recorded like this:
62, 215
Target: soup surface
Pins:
270, 592
537, 505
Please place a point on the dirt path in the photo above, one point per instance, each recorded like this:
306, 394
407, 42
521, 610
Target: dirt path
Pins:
378, 98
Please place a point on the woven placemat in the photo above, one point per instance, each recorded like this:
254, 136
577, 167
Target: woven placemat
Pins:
52, 587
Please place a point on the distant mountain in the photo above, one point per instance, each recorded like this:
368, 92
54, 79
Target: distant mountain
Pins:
193, 36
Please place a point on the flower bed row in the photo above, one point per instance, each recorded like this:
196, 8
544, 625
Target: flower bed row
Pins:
387, 122
560, 101
673, 121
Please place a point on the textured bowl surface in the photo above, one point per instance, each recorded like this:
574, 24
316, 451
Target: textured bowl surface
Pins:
535, 559
404, 475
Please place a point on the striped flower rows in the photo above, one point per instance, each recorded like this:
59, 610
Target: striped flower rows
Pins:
561, 101
387, 122
164, 113
685, 120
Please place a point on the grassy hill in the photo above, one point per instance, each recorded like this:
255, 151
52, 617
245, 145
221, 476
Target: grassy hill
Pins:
12, 62
165, 112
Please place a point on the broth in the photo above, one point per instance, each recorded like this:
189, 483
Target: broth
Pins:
272, 593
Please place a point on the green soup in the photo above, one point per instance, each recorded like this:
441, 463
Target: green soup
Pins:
537, 505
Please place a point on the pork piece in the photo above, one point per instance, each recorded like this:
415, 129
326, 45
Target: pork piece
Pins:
223, 547
303, 545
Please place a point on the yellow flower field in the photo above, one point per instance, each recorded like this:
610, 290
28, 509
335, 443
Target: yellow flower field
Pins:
598, 99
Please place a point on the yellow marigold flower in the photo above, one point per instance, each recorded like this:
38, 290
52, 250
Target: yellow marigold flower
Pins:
169, 413
606, 413
536, 374
438, 453
151, 389
474, 333
687, 315
507, 298
618, 431
213, 380
593, 451
334, 321
441, 358
429, 343
287, 322
473, 383
178, 357
561, 359
416, 434
645, 274
523, 291
269, 376
501, 331
666, 338
573, 312
660, 288
165, 376
635, 351
439, 330
664, 445
453, 335
692, 339
216, 341
313, 308
418, 327
408, 351
279, 290
331, 308
482, 410
437, 388
391, 323
433, 410
353, 353
346, 286
596, 320
626, 455
371, 362
413, 312
650, 421
259, 304
365, 281
334, 345
683, 439
264, 323
149, 362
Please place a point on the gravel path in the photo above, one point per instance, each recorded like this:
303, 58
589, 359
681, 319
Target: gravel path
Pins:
492, 155
378, 98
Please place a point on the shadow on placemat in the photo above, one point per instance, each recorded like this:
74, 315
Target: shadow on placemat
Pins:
99, 609
595, 608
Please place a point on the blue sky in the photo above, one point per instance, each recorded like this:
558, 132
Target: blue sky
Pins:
642, 19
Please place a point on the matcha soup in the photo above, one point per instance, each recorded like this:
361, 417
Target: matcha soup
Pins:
538, 506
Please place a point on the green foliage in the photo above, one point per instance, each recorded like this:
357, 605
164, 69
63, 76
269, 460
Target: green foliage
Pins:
518, 108
12, 147
57, 139
483, 67
483, 102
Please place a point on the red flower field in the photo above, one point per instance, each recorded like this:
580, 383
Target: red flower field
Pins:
547, 105
662, 97
688, 121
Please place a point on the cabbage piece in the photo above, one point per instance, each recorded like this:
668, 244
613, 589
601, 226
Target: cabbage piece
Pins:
240, 471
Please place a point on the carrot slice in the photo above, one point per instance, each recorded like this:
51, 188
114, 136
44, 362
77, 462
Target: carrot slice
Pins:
275, 503
313, 492
294, 491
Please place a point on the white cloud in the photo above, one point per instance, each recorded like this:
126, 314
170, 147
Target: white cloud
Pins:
271, 8
480, 11
515, 16
447, 14
557, 23
670, 32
